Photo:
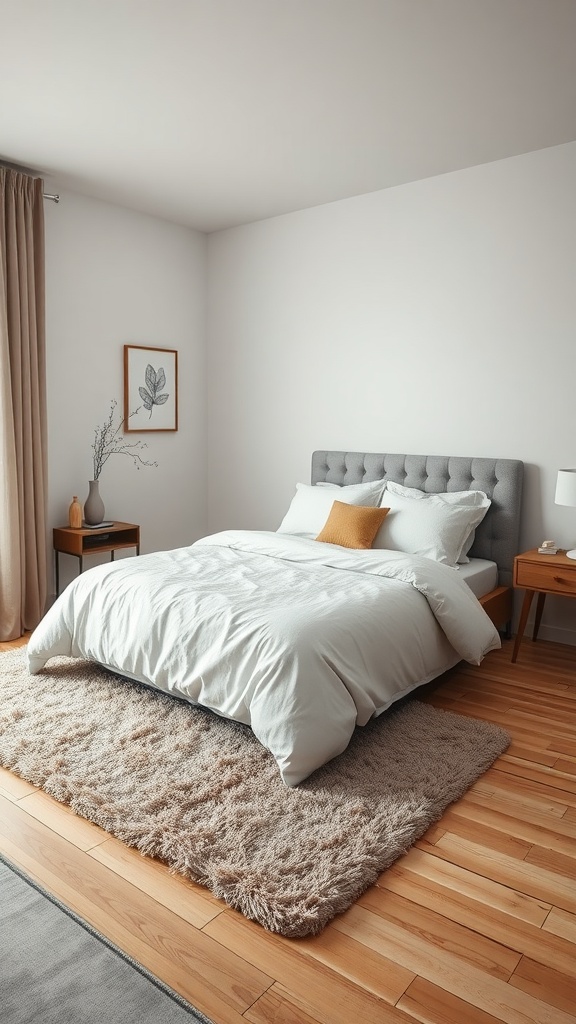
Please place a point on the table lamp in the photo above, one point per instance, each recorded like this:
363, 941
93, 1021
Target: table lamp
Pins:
566, 494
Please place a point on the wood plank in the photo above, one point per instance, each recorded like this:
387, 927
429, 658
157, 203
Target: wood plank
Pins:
525, 691
275, 1007
558, 863
434, 833
432, 1005
463, 943
545, 983
183, 897
562, 747
485, 796
483, 700
503, 698
550, 800
543, 668
518, 720
555, 834
311, 985
375, 974
520, 692
523, 686
529, 754
552, 778
476, 889
454, 892
532, 880
13, 786
555, 727
447, 971
560, 922
61, 818
484, 833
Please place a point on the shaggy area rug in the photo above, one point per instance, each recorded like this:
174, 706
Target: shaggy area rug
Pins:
204, 796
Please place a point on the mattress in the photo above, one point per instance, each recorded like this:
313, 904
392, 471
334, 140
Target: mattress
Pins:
480, 575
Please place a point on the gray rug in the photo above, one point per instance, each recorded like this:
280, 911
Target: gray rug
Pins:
203, 795
55, 968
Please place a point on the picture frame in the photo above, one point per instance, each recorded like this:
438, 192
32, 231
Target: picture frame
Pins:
150, 389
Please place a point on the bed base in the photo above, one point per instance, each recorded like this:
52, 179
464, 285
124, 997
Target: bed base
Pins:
498, 606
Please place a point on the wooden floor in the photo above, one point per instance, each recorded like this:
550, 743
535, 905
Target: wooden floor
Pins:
476, 924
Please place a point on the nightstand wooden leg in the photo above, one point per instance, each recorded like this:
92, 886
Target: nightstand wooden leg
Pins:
539, 610
523, 620
57, 560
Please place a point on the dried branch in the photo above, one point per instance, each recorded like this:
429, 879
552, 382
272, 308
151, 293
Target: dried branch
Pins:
108, 441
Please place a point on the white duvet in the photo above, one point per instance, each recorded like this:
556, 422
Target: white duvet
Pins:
300, 640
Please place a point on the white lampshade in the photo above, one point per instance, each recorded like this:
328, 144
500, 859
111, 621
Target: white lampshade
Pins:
566, 494
566, 487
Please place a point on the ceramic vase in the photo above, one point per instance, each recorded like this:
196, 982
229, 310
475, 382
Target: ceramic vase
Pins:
75, 514
93, 506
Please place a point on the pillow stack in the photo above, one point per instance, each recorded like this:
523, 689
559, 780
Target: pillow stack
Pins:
438, 526
388, 516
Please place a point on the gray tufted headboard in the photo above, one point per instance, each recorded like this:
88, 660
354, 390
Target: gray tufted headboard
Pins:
501, 479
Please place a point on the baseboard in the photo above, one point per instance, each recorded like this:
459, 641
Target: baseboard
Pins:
557, 634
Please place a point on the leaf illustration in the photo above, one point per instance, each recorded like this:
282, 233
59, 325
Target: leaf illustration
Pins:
155, 381
151, 379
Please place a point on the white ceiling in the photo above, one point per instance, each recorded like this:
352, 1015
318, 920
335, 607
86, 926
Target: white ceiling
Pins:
213, 113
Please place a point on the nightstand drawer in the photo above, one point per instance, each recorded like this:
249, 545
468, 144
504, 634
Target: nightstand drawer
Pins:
553, 578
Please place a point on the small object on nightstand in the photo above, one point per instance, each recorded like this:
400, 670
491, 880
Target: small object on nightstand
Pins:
548, 547
75, 514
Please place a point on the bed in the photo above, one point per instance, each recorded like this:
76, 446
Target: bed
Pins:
300, 639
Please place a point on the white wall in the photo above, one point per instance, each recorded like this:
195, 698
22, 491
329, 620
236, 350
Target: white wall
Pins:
117, 277
437, 317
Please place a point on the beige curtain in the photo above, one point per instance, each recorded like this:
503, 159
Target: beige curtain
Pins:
22, 405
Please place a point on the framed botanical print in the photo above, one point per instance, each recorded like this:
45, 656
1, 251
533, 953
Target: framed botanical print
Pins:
150, 389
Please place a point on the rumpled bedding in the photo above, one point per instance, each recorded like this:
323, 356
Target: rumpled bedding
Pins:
300, 640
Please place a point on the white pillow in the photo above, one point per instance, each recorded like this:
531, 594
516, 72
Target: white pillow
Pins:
344, 488
433, 528
478, 499
311, 505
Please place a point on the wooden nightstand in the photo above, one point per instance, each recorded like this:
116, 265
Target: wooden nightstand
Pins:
541, 574
84, 542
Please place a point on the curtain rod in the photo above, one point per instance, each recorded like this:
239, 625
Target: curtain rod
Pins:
54, 198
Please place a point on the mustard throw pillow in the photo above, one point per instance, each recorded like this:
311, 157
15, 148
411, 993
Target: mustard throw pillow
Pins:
352, 526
